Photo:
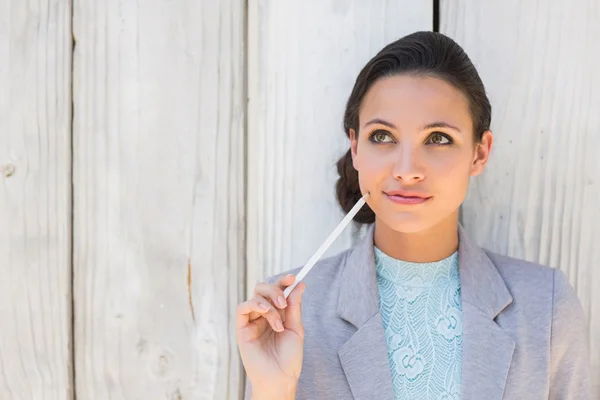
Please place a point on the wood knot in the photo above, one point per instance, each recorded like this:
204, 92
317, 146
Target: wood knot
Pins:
7, 170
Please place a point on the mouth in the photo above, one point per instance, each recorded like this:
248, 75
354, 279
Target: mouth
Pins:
405, 197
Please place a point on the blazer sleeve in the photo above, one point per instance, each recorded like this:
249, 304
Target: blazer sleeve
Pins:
569, 344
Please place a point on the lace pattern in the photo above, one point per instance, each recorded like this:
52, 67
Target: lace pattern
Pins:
420, 305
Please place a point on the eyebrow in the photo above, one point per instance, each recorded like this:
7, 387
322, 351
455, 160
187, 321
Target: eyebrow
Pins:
379, 121
437, 124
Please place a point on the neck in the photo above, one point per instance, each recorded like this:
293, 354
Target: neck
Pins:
433, 244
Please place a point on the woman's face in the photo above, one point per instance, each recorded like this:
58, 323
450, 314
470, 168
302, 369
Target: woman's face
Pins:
416, 135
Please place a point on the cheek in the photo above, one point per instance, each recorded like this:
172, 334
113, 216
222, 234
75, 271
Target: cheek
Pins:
452, 171
372, 168
450, 162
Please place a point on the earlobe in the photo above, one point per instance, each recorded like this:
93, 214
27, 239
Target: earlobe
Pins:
482, 153
353, 155
477, 167
478, 161
353, 148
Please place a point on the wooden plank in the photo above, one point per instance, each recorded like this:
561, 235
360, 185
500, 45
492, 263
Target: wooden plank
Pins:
303, 59
159, 198
35, 200
538, 200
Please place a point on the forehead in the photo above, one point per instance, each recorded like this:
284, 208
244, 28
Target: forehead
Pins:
407, 99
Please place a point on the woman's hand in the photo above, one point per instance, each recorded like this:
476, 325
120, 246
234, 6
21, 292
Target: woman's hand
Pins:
270, 337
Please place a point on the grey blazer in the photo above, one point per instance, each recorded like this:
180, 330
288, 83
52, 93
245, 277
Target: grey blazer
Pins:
525, 335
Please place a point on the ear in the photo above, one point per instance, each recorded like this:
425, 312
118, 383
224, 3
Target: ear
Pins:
482, 153
354, 148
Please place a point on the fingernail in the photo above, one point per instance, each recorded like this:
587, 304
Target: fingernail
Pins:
263, 306
279, 325
281, 301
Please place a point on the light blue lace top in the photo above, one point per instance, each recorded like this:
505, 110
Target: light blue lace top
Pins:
420, 305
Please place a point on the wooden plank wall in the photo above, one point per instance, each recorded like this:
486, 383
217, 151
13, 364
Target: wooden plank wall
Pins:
159, 198
35, 200
538, 199
202, 152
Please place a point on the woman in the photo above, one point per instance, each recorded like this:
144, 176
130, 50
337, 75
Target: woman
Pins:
416, 310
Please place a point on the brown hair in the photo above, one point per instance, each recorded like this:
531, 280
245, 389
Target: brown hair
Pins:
428, 53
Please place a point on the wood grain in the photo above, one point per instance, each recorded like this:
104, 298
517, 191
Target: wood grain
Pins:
303, 59
159, 198
35, 200
539, 197
167, 236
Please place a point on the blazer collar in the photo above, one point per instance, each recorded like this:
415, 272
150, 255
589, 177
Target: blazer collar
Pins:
487, 349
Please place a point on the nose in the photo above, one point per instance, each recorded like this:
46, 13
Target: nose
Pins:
408, 167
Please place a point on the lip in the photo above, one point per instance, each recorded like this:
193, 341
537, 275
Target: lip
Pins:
405, 197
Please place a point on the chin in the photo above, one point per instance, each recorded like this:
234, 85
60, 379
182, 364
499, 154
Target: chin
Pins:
407, 223
412, 224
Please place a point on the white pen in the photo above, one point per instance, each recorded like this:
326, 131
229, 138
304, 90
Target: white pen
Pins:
332, 236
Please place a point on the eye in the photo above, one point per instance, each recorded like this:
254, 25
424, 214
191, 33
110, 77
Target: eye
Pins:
378, 136
439, 138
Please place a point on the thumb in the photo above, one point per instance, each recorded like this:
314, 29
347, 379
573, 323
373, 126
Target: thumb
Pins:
293, 311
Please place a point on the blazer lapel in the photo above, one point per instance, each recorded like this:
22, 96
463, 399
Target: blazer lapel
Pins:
487, 349
364, 356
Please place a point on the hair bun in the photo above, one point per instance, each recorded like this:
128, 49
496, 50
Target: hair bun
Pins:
348, 190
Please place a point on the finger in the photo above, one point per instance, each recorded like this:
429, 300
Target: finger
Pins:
282, 283
293, 312
272, 315
245, 309
285, 281
272, 292
253, 330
